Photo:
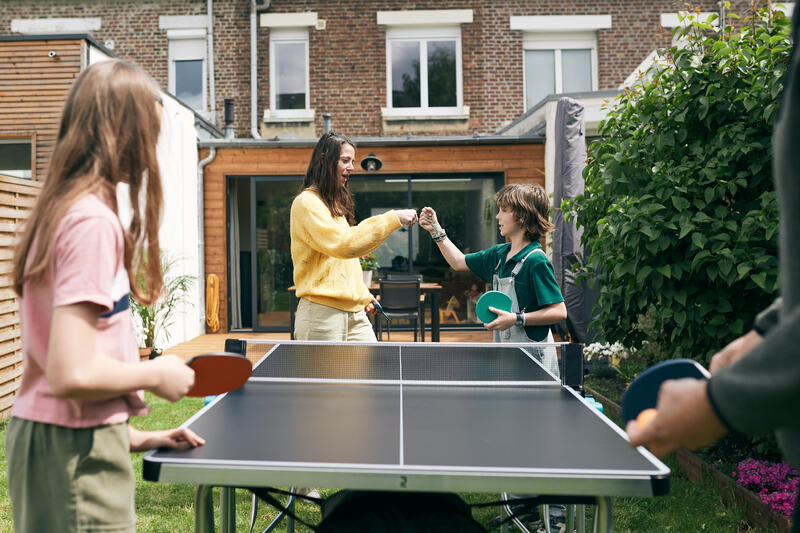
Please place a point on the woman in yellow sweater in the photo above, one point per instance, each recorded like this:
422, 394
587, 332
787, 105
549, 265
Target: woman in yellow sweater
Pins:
326, 245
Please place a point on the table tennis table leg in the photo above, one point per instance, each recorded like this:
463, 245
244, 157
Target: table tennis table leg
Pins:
204, 509
569, 512
581, 519
603, 520
227, 506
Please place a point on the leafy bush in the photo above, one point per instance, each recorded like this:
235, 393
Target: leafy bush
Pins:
679, 213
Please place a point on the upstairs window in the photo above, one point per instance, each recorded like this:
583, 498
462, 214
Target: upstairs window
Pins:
423, 63
424, 69
288, 71
187, 78
558, 67
559, 54
188, 60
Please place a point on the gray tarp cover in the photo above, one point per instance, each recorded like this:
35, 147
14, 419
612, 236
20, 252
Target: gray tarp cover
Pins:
570, 158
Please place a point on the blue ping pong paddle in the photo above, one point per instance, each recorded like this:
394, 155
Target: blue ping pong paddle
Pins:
215, 373
642, 393
488, 299
379, 307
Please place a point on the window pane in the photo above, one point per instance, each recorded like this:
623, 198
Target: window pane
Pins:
442, 74
15, 159
189, 82
576, 70
540, 75
405, 74
290, 89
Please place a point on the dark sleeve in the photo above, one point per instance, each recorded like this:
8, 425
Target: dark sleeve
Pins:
768, 318
761, 391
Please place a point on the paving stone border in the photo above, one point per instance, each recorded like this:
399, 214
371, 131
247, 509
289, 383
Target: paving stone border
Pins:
759, 514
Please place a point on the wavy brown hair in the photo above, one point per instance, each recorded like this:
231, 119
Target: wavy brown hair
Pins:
530, 207
321, 175
108, 134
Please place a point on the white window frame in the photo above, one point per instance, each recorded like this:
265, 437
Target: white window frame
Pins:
558, 41
181, 31
424, 34
281, 35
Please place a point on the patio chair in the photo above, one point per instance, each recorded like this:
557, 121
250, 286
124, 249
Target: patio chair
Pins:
399, 299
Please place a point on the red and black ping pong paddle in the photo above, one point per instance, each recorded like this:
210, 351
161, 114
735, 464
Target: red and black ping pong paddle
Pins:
642, 393
215, 373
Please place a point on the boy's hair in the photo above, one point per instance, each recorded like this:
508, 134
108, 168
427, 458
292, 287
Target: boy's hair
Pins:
530, 206
108, 133
321, 175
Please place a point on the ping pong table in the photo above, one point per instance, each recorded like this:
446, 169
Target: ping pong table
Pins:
407, 417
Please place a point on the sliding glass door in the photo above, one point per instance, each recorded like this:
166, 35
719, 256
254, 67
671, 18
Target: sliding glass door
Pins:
259, 256
465, 207
260, 251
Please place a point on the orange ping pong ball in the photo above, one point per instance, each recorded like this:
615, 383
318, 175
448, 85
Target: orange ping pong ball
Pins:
645, 417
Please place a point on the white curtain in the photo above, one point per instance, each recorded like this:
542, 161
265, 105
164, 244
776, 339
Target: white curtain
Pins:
233, 240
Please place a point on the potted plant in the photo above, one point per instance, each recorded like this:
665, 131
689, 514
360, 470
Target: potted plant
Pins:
369, 263
153, 321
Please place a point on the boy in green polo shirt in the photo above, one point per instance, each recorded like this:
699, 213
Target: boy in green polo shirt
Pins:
519, 267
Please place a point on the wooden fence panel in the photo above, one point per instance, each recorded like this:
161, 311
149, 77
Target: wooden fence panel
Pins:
16, 200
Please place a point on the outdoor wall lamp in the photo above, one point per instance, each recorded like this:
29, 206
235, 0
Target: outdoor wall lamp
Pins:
371, 163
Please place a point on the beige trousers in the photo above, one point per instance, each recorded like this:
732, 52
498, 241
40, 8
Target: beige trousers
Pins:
316, 322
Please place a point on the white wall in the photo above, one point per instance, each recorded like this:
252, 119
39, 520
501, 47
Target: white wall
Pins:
178, 237
177, 156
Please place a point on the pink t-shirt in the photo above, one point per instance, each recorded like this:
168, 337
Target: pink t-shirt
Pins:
87, 266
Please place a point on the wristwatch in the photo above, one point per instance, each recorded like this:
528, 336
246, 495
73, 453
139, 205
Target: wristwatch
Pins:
520, 319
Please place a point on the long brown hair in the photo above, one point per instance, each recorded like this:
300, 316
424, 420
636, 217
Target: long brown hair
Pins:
321, 175
530, 207
108, 134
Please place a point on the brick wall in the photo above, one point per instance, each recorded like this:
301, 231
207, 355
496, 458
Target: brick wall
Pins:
347, 72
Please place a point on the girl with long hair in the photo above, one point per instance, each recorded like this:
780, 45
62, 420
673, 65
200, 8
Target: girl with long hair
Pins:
326, 245
68, 440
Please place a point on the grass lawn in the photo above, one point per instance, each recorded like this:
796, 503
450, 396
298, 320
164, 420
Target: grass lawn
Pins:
689, 507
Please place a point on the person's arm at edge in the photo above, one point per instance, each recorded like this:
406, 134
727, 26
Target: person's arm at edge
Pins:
76, 370
760, 392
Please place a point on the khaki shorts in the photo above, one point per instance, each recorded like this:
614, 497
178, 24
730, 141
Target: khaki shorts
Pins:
316, 322
70, 479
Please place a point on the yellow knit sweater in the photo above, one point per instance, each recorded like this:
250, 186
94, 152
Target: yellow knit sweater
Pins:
325, 252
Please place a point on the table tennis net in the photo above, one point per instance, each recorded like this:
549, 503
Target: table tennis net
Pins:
484, 363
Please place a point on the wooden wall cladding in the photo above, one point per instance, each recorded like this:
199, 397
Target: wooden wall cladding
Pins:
33, 88
519, 163
17, 197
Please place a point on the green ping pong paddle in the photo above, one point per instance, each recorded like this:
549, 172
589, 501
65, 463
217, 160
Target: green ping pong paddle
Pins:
495, 299
215, 373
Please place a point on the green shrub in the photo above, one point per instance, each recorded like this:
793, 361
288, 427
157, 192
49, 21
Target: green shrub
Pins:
680, 212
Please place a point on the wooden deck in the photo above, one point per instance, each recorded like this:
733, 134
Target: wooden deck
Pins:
215, 342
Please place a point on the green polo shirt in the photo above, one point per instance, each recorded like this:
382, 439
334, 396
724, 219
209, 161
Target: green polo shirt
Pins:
535, 284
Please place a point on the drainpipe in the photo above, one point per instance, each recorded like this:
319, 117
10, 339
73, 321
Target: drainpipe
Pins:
326, 122
201, 240
253, 74
211, 87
